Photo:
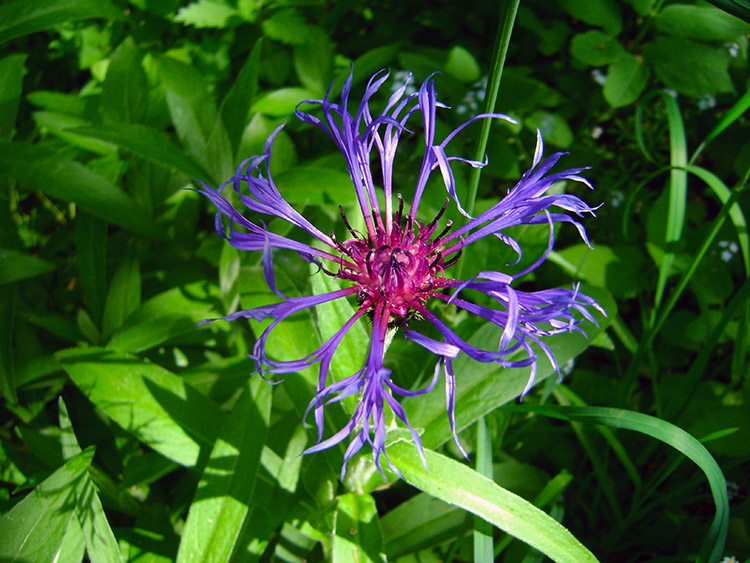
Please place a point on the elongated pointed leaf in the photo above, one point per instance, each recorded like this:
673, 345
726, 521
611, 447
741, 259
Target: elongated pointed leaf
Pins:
458, 484
357, 535
34, 529
147, 400
225, 491
11, 83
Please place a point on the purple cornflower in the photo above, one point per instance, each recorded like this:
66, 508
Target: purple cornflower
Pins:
399, 264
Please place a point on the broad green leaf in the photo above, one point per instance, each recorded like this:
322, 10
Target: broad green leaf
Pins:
235, 108
481, 388
34, 529
313, 62
703, 23
315, 185
457, 484
357, 535
170, 314
148, 143
282, 102
253, 141
145, 399
125, 90
738, 8
124, 295
59, 102
554, 128
225, 492
206, 13
219, 153
288, 26
35, 167
15, 266
616, 268
462, 65
11, 84
627, 77
91, 257
690, 68
22, 17
595, 48
602, 13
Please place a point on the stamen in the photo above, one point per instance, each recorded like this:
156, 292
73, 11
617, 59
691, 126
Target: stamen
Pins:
355, 234
438, 216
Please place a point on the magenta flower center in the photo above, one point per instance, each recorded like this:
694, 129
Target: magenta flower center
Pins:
400, 269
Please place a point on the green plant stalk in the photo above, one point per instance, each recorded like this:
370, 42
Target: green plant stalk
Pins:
483, 548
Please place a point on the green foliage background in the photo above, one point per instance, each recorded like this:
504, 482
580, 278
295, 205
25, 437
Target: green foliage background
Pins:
130, 434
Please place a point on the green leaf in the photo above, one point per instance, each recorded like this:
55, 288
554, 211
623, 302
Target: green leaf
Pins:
313, 62
626, 79
124, 295
36, 167
225, 492
60, 125
595, 48
703, 23
670, 434
12, 69
15, 266
690, 68
22, 17
91, 257
738, 8
457, 484
145, 399
125, 90
288, 26
167, 315
314, 185
7, 355
357, 535
34, 529
462, 65
206, 13
481, 388
235, 107
616, 268
282, 102
602, 13
149, 144
554, 128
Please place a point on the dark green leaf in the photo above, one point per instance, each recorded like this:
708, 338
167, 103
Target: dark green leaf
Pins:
15, 266
738, 8
147, 400
38, 168
235, 107
703, 23
125, 90
288, 26
7, 356
595, 48
626, 79
91, 254
357, 535
21, 17
554, 128
690, 68
124, 295
602, 13
149, 144
11, 83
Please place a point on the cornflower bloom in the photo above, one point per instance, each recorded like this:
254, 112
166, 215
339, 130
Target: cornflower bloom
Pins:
399, 264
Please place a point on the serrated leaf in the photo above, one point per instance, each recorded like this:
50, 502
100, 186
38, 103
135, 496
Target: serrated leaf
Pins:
206, 13
35, 529
225, 492
626, 80
38, 168
22, 17
147, 400
595, 48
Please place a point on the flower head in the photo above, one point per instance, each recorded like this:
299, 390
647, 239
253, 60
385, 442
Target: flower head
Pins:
400, 264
